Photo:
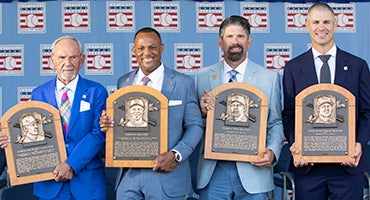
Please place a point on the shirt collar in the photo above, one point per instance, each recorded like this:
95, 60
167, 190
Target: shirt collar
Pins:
332, 52
240, 69
154, 76
71, 85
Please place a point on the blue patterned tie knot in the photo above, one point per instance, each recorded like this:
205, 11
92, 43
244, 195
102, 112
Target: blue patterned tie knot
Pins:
233, 74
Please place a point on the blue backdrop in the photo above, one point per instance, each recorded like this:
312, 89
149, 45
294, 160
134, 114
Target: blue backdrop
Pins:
189, 31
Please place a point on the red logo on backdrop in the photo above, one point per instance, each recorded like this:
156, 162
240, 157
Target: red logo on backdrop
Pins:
24, 94
276, 55
120, 16
47, 67
166, 16
295, 17
11, 60
257, 15
188, 57
99, 59
345, 14
210, 16
76, 16
31, 18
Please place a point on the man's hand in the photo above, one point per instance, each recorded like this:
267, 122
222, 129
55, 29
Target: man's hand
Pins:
206, 102
4, 140
165, 162
105, 122
357, 155
300, 162
266, 161
63, 172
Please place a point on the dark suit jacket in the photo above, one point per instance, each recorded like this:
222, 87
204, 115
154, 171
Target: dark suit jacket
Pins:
83, 141
351, 73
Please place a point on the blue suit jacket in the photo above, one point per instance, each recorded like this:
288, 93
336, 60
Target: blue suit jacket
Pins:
185, 128
83, 141
351, 73
254, 179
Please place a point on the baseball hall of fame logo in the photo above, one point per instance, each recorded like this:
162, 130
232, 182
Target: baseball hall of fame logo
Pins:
31, 18
166, 16
295, 17
46, 67
257, 15
346, 16
133, 61
76, 16
209, 16
120, 16
11, 60
276, 55
188, 57
24, 94
99, 59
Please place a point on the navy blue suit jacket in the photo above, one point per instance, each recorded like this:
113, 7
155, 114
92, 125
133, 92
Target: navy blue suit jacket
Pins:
352, 73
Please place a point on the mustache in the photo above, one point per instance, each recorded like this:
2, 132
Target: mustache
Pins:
68, 68
236, 46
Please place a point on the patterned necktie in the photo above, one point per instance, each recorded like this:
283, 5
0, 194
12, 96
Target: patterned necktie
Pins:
145, 80
65, 109
325, 70
233, 74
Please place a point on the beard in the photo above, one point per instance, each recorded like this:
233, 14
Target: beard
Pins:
68, 78
235, 56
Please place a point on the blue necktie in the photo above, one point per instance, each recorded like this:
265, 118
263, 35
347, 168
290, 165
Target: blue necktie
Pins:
233, 74
325, 70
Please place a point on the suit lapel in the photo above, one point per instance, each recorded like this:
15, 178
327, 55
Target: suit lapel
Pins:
169, 83
79, 93
249, 75
216, 74
52, 99
341, 67
308, 73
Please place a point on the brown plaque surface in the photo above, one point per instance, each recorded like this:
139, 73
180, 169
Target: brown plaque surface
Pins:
139, 135
325, 124
236, 127
37, 143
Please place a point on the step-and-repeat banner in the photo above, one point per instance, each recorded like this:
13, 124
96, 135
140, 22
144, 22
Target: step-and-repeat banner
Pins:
189, 30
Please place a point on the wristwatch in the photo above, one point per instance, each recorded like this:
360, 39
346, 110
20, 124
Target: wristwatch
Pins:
177, 156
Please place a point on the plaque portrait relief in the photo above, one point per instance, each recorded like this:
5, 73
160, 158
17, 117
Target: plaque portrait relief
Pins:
136, 110
37, 143
236, 127
325, 124
32, 129
140, 131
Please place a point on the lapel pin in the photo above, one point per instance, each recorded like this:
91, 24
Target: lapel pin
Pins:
214, 76
345, 68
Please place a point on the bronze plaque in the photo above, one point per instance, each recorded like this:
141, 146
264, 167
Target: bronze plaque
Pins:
236, 127
139, 135
325, 124
37, 143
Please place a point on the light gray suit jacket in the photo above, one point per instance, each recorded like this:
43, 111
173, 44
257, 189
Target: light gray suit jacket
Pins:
254, 179
185, 127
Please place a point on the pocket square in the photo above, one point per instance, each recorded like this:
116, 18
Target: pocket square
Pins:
84, 106
174, 102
